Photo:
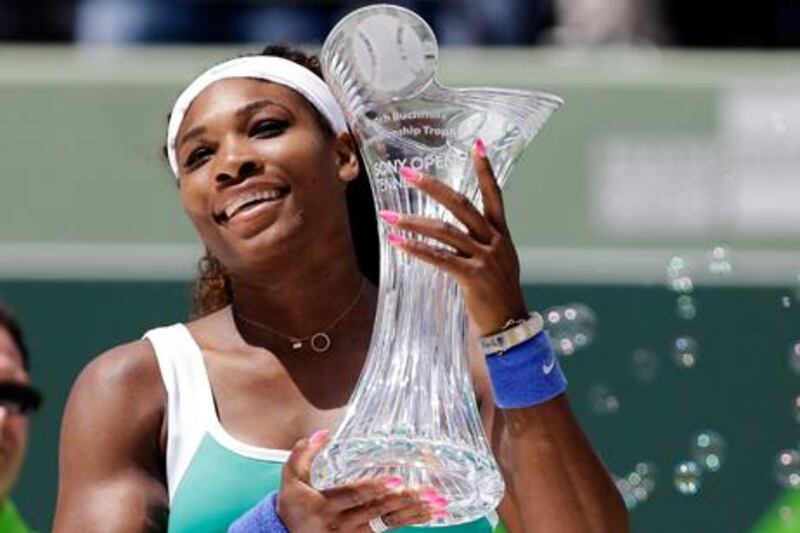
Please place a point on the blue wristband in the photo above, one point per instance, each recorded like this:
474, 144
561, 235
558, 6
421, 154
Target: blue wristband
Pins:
526, 374
263, 518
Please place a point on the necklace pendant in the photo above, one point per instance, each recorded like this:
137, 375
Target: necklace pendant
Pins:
297, 344
320, 342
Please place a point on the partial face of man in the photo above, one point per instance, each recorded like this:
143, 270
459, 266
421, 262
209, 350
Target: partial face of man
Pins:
13, 425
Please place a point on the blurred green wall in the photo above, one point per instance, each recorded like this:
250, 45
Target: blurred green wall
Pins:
740, 386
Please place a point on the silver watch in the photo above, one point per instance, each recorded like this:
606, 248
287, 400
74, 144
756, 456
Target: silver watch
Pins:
508, 338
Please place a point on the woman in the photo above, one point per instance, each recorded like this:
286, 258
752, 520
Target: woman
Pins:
188, 427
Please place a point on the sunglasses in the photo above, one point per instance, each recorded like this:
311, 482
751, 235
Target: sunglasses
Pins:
19, 398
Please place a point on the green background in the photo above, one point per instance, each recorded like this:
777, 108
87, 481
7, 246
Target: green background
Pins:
740, 386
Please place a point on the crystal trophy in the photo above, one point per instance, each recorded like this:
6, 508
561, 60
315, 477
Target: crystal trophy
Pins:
413, 412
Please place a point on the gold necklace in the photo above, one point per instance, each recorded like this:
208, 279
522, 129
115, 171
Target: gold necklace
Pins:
320, 342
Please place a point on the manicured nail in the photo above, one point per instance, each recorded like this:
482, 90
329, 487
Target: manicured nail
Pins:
395, 238
318, 436
480, 148
394, 482
441, 514
430, 495
390, 217
439, 503
409, 174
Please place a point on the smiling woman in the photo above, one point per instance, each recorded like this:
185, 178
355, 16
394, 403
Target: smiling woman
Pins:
202, 426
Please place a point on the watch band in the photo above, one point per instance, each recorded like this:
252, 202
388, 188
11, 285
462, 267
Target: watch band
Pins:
500, 342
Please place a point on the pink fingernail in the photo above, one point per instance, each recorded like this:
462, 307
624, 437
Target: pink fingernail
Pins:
439, 503
480, 148
409, 174
318, 436
390, 217
430, 495
441, 514
395, 238
394, 482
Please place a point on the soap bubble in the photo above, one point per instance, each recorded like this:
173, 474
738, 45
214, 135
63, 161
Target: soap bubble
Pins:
794, 358
645, 365
685, 351
686, 307
688, 477
708, 449
626, 491
719, 261
602, 400
571, 327
787, 469
796, 409
786, 515
637, 487
678, 277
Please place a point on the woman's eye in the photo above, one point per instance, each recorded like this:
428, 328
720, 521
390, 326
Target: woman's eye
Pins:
197, 156
265, 128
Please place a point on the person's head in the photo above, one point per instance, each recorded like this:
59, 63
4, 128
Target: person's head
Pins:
17, 400
270, 179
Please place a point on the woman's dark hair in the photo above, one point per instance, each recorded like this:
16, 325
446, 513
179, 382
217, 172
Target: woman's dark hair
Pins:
9, 323
212, 289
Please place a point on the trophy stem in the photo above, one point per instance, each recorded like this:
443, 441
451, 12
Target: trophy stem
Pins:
410, 409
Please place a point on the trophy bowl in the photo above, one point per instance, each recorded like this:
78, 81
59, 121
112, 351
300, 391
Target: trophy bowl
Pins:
413, 412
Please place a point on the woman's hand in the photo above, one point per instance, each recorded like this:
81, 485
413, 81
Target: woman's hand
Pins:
348, 508
484, 262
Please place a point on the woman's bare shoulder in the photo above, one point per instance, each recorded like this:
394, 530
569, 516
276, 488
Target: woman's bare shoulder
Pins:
120, 388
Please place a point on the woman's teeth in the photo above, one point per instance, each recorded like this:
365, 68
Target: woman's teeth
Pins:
256, 197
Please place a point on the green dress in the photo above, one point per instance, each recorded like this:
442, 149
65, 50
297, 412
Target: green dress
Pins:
214, 478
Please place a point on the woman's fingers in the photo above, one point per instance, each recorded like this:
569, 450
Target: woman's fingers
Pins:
397, 509
358, 494
455, 202
298, 465
436, 229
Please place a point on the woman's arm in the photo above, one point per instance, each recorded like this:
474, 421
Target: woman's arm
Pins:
111, 476
554, 479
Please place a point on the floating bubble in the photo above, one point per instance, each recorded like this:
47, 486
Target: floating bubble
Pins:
627, 492
786, 515
719, 261
786, 302
571, 327
685, 351
645, 365
709, 449
796, 409
787, 469
602, 400
678, 277
794, 358
688, 477
646, 473
686, 307
637, 487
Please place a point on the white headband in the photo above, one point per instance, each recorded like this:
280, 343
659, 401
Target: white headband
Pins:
269, 68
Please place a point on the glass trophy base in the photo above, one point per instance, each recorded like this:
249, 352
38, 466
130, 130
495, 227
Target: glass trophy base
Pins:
459, 473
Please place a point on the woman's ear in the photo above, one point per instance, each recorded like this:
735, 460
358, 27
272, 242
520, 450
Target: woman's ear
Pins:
346, 157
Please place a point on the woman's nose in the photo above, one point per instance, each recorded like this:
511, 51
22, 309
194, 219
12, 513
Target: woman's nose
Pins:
236, 167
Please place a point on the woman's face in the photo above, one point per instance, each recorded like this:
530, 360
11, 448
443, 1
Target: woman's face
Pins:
259, 177
13, 426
